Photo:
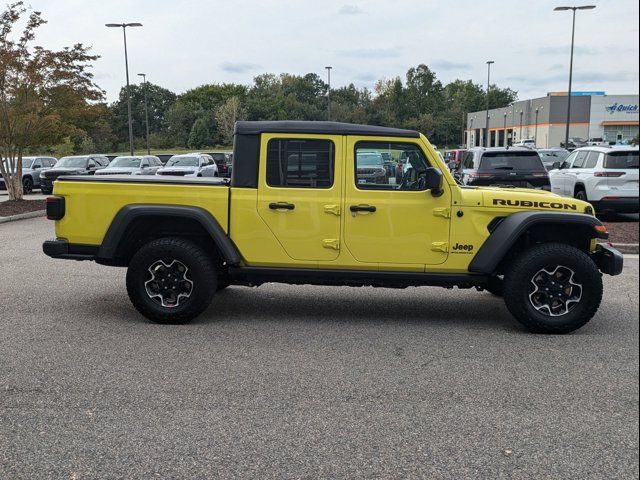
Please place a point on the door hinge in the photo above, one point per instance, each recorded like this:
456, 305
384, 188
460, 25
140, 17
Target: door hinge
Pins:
442, 212
332, 243
335, 209
440, 247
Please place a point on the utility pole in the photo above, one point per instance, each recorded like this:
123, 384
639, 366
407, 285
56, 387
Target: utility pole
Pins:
329, 92
486, 136
126, 67
573, 33
146, 109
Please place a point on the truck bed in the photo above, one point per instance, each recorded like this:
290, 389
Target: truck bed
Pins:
91, 203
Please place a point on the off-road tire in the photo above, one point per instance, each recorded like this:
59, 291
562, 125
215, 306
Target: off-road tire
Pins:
201, 271
46, 191
518, 281
495, 286
27, 185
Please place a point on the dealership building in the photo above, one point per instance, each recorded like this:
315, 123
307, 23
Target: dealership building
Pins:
594, 115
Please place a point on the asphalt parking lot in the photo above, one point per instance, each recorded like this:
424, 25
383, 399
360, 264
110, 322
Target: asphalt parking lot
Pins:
304, 382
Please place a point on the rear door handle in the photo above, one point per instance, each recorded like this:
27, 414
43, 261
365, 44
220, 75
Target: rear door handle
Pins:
362, 208
281, 206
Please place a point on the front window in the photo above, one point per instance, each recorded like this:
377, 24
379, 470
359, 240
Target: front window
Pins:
72, 162
622, 160
371, 173
125, 162
183, 162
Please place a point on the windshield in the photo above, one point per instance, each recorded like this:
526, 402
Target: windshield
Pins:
622, 160
125, 162
183, 162
369, 159
511, 161
72, 162
219, 157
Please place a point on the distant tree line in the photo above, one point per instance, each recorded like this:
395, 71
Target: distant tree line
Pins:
204, 116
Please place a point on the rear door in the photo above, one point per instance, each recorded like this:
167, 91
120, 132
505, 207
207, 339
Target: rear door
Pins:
300, 192
573, 174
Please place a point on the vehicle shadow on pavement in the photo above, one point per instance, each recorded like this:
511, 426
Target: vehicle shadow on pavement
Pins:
358, 305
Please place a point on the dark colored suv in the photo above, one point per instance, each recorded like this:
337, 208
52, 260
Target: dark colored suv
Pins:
223, 161
518, 167
78, 165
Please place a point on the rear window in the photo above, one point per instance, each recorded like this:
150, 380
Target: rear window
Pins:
622, 160
511, 161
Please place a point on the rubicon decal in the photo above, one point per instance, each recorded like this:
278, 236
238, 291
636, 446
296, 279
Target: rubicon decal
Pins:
530, 204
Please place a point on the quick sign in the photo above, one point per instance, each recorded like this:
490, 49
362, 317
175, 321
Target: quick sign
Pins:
621, 108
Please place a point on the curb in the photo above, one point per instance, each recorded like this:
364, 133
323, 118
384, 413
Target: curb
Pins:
23, 216
628, 248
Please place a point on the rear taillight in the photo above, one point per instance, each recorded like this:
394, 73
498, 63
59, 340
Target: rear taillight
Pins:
540, 174
608, 174
55, 208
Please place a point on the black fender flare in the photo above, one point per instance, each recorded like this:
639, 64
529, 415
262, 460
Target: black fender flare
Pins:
130, 213
507, 232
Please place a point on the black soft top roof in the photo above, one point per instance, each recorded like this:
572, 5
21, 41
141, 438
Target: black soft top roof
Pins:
330, 128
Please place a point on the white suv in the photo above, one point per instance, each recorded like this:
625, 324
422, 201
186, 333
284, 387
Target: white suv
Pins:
607, 177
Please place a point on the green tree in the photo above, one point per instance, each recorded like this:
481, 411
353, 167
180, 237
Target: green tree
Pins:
200, 135
226, 116
31, 80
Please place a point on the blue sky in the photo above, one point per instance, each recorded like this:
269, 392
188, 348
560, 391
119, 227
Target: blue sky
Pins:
184, 44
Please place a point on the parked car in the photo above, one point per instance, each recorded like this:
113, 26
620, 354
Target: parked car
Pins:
74, 165
607, 177
138, 165
295, 214
32, 167
190, 165
551, 156
370, 168
597, 142
516, 166
574, 142
526, 142
223, 162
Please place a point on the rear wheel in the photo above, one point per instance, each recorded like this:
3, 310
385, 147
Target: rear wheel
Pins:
581, 195
27, 185
171, 280
553, 288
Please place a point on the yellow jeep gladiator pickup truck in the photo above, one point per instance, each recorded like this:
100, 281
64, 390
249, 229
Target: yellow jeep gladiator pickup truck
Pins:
314, 203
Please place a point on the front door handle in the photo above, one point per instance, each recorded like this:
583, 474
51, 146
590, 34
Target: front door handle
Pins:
281, 206
362, 208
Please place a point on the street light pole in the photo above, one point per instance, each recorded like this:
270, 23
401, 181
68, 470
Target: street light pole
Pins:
146, 109
126, 67
504, 130
573, 32
486, 131
328, 92
535, 133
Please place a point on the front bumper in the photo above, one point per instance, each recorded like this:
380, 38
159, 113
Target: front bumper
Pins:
608, 259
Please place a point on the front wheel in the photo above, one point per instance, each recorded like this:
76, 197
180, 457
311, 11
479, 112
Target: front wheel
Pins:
27, 185
553, 288
581, 195
171, 280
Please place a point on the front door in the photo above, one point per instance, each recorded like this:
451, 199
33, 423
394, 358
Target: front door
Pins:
300, 191
389, 222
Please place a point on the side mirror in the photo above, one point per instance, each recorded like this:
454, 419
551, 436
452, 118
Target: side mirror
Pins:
433, 181
556, 166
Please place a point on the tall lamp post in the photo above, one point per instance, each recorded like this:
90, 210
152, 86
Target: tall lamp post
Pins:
504, 130
486, 131
520, 137
328, 69
126, 67
573, 31
146, 109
